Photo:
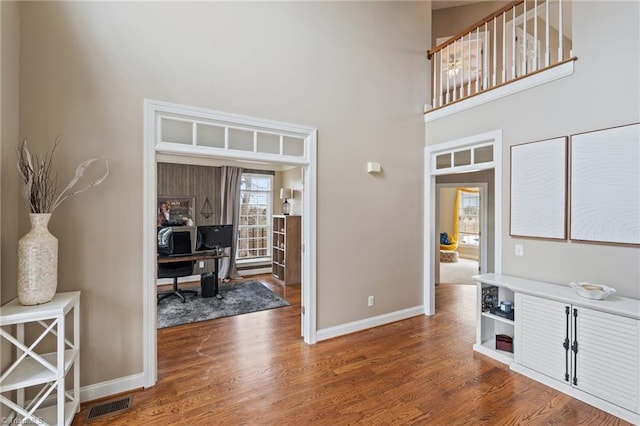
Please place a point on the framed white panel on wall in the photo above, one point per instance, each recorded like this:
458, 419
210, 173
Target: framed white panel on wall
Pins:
539, 189
605, 185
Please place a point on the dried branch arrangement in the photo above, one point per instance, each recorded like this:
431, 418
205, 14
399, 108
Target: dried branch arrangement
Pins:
40, 183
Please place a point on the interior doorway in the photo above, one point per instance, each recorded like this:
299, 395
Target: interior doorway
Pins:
172, 129
461, 221
480, 153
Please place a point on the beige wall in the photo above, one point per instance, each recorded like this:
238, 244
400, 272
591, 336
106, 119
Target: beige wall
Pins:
9, 195
10, 201
292, 178
355, 70
571, 105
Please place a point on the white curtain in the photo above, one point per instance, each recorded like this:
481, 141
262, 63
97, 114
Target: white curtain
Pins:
230, 213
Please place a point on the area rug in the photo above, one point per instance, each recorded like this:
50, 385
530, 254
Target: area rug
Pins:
237, 299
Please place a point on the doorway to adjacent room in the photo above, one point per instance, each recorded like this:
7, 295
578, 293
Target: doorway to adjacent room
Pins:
191, 132
462, 228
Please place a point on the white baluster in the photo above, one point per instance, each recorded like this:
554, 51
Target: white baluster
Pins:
440, 77
523, 71
446, 72
495, 53
547, 48
455, 70
560, 34
535, 35
514, 40
485, 80
469, 73
479, 74
434, 81
504, 47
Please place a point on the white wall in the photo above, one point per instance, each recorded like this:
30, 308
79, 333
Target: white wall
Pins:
602, 93
355, 70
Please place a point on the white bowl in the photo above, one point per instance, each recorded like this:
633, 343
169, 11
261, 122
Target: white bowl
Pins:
592, 291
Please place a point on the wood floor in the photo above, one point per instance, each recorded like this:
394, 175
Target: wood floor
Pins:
256, 370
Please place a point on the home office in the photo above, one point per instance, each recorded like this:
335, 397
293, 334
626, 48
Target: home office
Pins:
214, 235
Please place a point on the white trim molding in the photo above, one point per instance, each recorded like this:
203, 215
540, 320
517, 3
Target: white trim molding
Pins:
111, 387
154, 146
431, 240
352, 327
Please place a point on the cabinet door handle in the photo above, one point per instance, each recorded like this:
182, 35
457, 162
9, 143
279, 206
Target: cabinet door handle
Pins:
574, 347
567, 311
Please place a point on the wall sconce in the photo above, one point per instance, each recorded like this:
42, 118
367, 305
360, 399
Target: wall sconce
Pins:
286, 193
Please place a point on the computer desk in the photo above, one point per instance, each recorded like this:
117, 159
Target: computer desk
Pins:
194, 257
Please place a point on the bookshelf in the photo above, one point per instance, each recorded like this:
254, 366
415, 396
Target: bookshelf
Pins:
286, 250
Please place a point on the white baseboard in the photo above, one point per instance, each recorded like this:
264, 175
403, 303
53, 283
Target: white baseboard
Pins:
352, 327
111, 387
255, 271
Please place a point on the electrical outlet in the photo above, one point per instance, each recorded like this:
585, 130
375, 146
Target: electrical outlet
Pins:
370, 301
201, 264
519, 250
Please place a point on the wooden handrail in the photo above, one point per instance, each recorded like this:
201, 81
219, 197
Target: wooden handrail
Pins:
472, 27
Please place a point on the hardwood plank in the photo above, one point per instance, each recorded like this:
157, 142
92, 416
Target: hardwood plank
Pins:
256, 370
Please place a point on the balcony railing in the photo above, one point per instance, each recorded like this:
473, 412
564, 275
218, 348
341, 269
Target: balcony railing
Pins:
523, 38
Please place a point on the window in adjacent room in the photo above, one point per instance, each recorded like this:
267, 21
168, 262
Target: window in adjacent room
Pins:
469, 218
254, 229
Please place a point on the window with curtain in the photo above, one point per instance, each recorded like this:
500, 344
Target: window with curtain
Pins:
469, 218
254, 229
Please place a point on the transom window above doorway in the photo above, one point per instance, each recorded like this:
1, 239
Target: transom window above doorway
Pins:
227, 133
464, 157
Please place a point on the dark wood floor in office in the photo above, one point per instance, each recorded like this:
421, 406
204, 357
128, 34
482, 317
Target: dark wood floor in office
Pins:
255, 370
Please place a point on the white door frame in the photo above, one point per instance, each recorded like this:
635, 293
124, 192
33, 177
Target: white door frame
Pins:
431, 240
152, 109
482, 248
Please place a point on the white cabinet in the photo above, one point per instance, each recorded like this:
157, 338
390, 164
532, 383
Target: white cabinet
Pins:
589, 349
595, 352
42, 386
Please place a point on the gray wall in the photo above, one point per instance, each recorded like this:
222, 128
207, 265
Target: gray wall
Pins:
602, 93
355, 70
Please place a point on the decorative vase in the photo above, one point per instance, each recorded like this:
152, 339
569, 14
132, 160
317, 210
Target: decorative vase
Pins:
37, 262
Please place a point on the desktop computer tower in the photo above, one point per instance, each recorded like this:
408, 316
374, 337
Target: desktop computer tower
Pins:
209, 284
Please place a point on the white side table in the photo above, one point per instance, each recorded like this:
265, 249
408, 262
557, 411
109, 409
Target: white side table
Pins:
43, 374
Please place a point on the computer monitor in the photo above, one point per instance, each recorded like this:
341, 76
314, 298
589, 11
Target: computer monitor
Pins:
181, 242
212, 237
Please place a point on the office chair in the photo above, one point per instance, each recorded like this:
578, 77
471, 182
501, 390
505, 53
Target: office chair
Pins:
181, 245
